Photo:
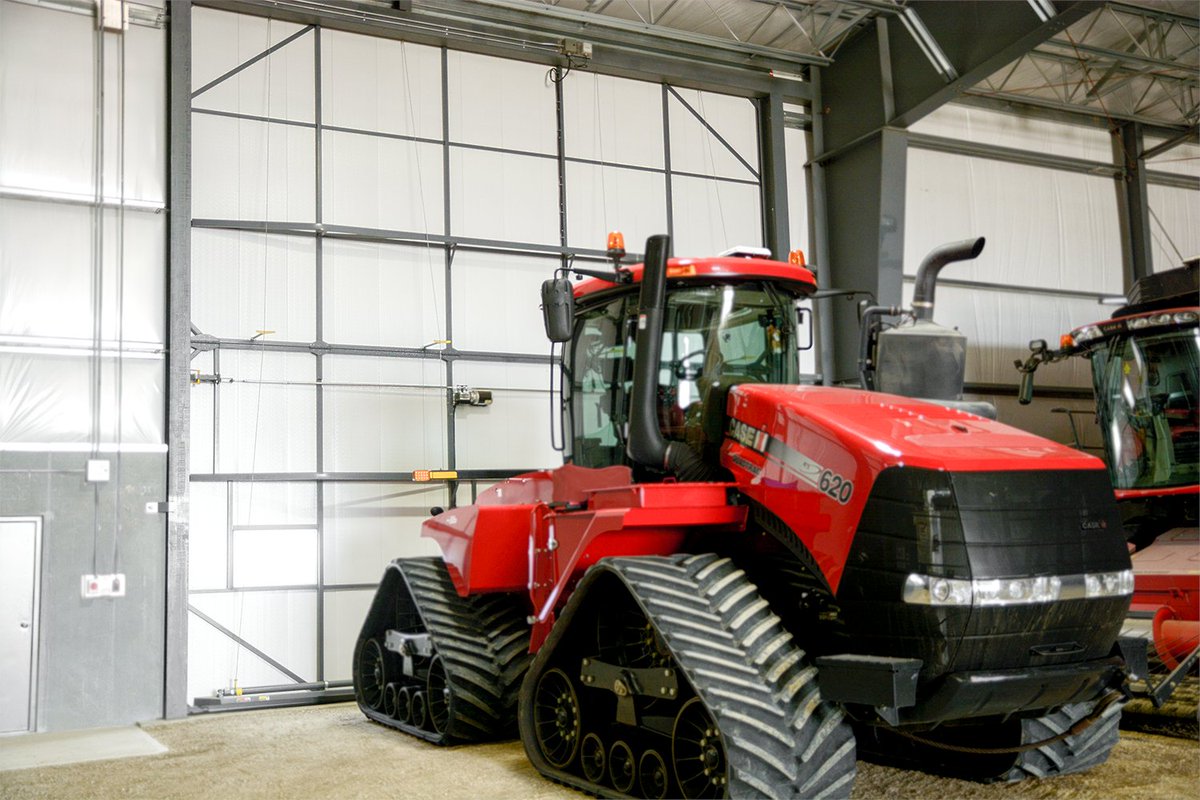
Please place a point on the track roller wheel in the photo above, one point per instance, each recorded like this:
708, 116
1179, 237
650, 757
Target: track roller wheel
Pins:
372, 674
653, 778
681, 655
556, 718
591, 754
621, 769
404, 704
1076, 753
389, 700
437, 695
419, 712
697, 752
464, 655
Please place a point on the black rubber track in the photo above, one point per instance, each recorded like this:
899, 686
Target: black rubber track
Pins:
780, 739
483, 642
1073, 754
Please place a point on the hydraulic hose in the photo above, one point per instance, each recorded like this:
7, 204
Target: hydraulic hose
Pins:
866, 337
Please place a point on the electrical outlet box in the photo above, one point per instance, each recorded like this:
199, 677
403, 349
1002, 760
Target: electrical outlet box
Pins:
108, 585
97, 470
576, 49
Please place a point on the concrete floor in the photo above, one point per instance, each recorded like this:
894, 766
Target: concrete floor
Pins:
334, 752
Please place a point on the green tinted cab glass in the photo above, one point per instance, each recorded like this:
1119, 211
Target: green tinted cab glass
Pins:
1146, 392
714, 337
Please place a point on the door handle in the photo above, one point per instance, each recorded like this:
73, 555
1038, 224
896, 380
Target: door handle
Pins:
24, 624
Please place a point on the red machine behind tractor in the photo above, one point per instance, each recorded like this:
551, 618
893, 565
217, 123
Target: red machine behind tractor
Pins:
1146, 377
737, 585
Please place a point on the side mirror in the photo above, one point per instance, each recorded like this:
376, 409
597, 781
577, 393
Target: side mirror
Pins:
804, 323
558, 309
1025, 393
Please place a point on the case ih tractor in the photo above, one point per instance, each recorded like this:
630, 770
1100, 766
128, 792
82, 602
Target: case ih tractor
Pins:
737, 585
1146, 376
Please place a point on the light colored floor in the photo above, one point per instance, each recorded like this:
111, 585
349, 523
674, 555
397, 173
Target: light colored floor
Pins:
334, 752
52, 749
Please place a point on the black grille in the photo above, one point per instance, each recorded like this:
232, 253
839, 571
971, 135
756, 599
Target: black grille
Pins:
982, 525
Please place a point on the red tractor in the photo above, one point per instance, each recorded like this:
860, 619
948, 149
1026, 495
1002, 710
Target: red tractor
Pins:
1146, 376
737, 585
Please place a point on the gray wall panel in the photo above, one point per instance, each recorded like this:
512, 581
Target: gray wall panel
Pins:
101, 660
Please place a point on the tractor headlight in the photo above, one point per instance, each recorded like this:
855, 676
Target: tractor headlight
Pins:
933, 591
930, 591
1109, 584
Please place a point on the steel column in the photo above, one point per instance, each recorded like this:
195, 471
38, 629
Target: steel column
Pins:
1133, 203
666, 120
319, 244
451, 438
179, 281
866, 192
818, 233
773, 169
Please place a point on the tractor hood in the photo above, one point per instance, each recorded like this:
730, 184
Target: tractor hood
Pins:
890, 430
813, 457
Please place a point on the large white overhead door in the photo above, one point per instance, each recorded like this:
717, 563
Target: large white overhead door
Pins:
372, 221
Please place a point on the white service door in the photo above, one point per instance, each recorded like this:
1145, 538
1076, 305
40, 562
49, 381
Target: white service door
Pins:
18, 588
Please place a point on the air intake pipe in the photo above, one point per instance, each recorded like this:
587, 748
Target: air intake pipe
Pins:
927, 273
646, 445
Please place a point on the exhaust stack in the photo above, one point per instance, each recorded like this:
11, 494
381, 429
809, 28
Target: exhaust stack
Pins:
646, 445
919, 358
927, 273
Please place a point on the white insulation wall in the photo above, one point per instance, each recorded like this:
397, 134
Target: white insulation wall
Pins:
289, 566
48, 137
1054, 245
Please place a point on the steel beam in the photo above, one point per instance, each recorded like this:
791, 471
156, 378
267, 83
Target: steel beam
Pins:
1071, 110
1016, 105
1012, 155
1015, 288
71, 199
350, 477
325, 348
179, 316
389, 236
1016, 155
243, 643
511, 30
977, 39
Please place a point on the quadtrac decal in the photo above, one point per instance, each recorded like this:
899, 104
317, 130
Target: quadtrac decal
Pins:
830, 483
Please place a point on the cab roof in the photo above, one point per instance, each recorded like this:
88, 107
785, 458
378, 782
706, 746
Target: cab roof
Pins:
789, 277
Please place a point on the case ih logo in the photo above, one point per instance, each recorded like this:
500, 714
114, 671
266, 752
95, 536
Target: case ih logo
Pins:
1093, 525
747, 436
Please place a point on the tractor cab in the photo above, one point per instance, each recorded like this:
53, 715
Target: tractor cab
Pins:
1145, 381
726, 320
1145, 366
